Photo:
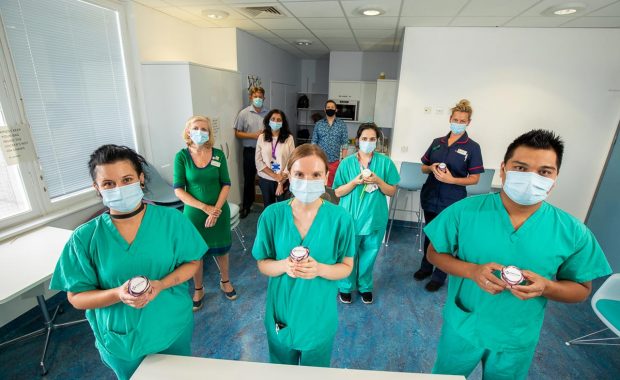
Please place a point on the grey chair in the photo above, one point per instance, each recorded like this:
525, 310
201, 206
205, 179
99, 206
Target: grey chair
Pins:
484, 183
411, 180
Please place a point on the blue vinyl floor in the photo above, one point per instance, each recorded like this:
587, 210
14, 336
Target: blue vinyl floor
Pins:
398, 332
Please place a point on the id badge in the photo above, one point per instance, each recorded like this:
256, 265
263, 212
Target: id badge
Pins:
275, 167
371, 187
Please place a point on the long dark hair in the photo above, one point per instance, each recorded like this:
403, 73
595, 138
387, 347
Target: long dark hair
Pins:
285, 132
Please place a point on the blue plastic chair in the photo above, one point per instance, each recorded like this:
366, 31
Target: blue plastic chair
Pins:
484, 183
411, 180
606, 306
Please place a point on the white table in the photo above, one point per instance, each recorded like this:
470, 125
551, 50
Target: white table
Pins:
26, 264
156, 367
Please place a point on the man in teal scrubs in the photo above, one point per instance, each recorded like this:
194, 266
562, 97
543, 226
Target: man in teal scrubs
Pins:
365, 199
486, 319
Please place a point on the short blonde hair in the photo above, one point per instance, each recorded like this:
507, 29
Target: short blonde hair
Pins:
462, 106
188, 124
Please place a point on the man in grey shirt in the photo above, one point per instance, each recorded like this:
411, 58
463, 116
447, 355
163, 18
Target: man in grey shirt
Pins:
248, 126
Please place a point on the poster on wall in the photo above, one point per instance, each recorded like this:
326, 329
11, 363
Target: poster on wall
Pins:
15, 145
254, 81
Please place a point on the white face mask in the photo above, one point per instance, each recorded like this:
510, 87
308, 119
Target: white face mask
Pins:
123, 198
527, 188
307, 191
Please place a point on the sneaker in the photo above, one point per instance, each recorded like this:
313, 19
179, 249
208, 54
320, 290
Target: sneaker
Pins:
421, 275
433, 286
344, 297
366, 297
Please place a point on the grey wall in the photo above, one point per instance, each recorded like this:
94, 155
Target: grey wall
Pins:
363, 66
315, 75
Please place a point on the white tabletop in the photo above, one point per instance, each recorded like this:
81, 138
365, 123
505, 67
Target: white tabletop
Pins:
28, 260
156, 367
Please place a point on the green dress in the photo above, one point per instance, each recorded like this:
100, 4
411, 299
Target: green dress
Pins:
205, 185
98, 257
306, 307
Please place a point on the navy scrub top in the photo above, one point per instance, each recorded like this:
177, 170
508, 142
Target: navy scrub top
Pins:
462, 159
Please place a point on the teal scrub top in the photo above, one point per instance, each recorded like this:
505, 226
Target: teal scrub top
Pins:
369, 210
551, 243
306, 307
97, 257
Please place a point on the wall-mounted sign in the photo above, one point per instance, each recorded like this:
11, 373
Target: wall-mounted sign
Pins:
15, 144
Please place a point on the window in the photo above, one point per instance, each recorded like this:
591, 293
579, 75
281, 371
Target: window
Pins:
70, 95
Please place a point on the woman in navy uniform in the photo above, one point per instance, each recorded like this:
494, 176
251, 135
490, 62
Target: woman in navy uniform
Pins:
445, 186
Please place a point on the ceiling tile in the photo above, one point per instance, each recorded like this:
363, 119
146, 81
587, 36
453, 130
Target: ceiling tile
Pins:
293, 33
183, 3
424, 8
325, 23
374, 33
536, 22
198, 11
379, 22
241, 24
153, 3
203, 24
262, 33
497, 8
424, 21
612, 10
333, 33
315, 9
280, 23
479, 21
591, 5
391, 8
180, 13
594, 22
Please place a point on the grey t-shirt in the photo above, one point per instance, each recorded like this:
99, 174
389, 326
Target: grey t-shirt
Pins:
248, 120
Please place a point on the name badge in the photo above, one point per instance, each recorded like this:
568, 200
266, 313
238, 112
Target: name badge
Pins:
461, 151
371, 187
275, 167
217, 164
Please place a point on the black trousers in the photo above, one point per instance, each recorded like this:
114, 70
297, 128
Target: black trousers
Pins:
438, 275
249, 176
268, 189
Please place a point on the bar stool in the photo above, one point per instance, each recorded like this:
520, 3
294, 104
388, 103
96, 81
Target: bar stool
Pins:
411, 180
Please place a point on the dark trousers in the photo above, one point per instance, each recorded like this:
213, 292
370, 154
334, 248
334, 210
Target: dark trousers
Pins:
249, 175
268, 189
438, 275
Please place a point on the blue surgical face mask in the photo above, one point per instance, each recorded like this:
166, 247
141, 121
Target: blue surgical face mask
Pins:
198, 137
275, 125
527, 188
257, 102
307, 191
123, 198
457, 129
367, 146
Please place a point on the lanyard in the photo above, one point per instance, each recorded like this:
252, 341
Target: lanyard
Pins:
273, 149
360, 161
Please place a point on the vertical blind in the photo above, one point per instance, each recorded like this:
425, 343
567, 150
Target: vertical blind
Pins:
68, 56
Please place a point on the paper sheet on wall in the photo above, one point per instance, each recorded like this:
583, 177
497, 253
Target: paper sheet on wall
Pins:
215, 124
15, 144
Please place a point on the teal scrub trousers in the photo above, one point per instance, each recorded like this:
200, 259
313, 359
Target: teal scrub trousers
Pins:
456, 356
280, 351
125, 368
367, 249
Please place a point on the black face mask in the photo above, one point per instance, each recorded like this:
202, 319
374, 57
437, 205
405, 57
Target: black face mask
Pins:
330, 112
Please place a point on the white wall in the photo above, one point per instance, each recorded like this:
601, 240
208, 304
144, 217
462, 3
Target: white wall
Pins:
164, 38
566, 80
362, 66
315, 75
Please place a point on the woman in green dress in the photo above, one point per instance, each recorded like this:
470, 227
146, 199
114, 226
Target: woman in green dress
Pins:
301, 314
202, 182
133, 239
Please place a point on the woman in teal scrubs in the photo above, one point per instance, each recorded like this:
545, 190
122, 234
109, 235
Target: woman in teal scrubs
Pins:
133, 239
362, 182
301, 317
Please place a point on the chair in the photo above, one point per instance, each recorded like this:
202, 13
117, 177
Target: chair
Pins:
234, 224
606, 305
411, 180
158, 191
484, 184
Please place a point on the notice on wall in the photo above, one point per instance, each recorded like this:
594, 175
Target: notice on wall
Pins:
215, 124
15, 144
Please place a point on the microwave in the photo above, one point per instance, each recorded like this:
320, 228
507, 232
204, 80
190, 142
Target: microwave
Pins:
347, 109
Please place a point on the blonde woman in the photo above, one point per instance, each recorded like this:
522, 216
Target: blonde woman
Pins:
446, 185
202, 182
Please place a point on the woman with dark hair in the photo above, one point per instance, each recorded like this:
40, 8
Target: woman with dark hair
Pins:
362, 182
273, 149
305, 246
128, 268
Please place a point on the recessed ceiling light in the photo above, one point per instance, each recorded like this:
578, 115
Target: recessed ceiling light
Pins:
215, 14
370, 11
565, 9
303, 42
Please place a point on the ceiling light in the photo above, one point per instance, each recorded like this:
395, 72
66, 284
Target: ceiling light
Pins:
214, 14
303, 42
370, 11
566, 9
